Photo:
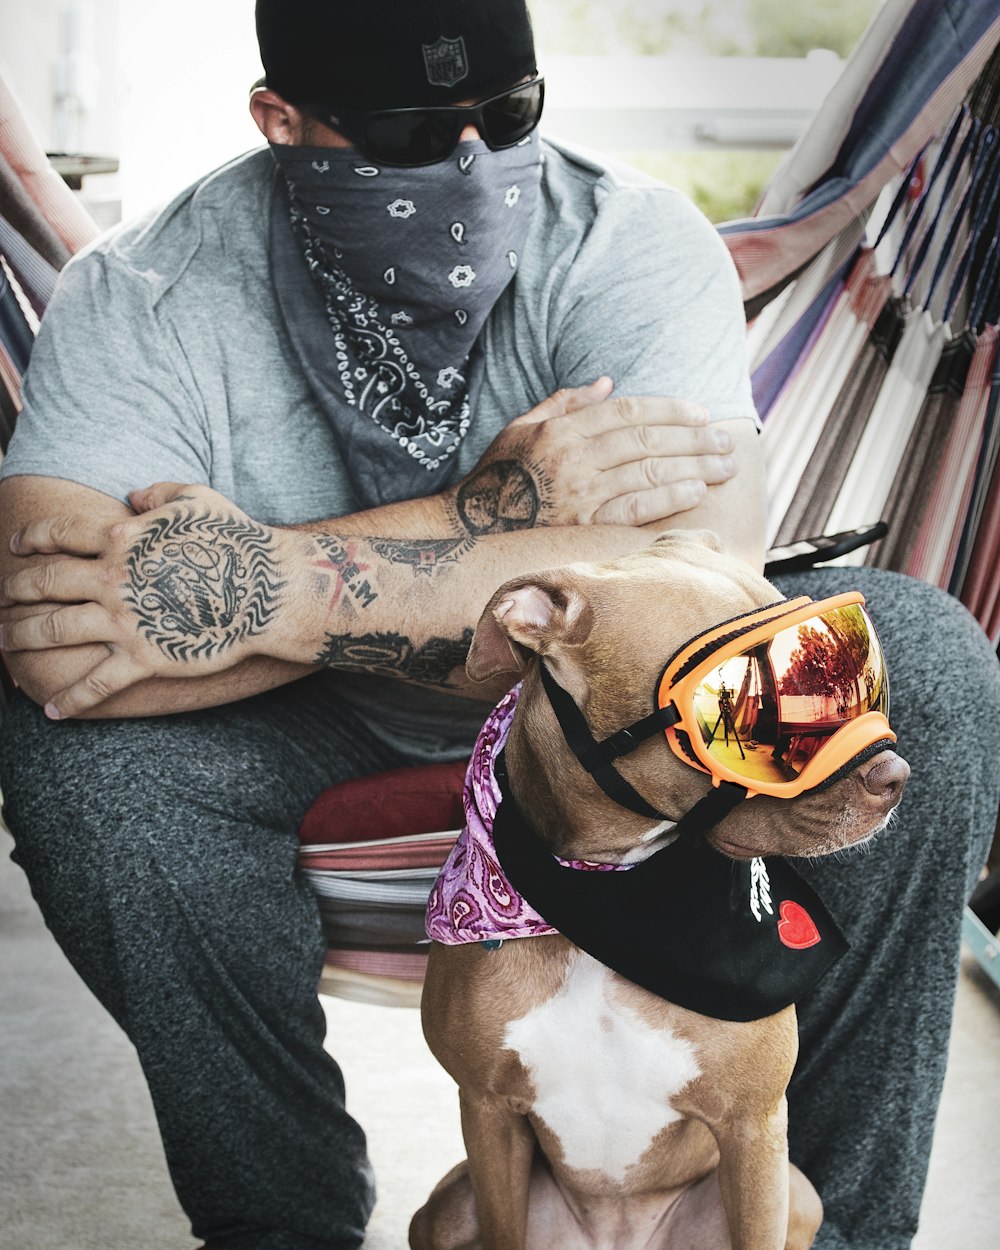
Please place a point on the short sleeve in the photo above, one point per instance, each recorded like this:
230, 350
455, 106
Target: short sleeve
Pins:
109, 401
653, 300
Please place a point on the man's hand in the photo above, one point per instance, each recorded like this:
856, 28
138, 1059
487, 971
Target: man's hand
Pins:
189, 589
583, 458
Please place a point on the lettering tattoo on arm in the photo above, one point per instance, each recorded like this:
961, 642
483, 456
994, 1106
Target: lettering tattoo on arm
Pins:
199, 583
497, 498
388, 654
348, 573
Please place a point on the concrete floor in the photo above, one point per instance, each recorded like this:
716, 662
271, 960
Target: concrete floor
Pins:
80, 1164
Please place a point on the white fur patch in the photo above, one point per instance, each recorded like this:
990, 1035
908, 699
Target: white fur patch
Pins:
652, 840
603, 1078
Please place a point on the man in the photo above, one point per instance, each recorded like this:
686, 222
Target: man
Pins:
345, 326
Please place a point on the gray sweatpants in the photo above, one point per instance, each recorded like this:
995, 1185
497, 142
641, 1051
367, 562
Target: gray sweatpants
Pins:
162, 854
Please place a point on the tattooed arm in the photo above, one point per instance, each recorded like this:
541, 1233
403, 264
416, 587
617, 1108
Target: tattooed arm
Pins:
582, 458
195, 604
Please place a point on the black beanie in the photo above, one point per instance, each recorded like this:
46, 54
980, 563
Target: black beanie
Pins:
367, 54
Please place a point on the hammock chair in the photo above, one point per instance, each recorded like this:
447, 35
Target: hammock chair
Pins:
871, 279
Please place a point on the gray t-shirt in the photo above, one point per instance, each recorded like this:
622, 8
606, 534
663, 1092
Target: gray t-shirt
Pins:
163, 356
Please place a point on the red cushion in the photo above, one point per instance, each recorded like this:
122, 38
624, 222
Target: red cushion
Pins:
404, 801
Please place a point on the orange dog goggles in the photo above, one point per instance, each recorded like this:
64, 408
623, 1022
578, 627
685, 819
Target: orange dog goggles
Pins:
780, 700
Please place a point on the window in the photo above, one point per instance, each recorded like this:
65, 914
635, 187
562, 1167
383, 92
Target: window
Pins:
704, 94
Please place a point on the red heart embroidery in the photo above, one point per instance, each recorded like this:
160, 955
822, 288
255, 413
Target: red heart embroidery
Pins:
796, 928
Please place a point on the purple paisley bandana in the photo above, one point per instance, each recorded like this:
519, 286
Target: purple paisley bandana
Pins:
472, 900
384, 277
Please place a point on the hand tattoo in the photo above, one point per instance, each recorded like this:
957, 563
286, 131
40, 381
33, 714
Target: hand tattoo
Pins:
199, 583
393, 655
498, 498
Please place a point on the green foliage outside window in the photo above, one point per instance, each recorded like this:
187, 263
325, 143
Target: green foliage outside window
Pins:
709, 27
725, 185
784, 28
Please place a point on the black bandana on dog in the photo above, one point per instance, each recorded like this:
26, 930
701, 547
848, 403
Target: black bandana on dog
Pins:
385, 277
729, 939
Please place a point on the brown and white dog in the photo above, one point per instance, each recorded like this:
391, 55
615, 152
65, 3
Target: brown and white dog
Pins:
597, 1115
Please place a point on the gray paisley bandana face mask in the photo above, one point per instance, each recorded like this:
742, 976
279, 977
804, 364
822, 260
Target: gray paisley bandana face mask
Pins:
384, 277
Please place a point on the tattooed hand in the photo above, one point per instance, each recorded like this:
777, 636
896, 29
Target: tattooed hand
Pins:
582, 458
189, 589
193, 586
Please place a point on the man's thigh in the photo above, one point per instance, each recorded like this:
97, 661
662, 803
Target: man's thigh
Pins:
150, 826
264, 758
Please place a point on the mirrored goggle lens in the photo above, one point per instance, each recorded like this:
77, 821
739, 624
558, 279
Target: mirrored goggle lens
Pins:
768, 711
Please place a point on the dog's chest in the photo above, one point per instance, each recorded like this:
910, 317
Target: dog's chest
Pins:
603, 1077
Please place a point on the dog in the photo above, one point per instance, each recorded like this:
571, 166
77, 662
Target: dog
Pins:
597, 1114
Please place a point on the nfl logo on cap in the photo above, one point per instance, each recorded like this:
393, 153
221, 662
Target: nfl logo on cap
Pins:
446, 61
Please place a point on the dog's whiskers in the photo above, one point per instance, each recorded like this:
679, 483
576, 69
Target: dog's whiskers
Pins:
844, 852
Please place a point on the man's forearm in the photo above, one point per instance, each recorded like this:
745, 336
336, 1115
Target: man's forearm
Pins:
387, 607
406, 606
512, 494
394, 591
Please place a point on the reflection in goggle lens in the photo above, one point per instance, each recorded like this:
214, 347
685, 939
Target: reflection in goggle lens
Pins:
766, 712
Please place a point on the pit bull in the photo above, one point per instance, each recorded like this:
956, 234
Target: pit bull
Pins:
597, 1113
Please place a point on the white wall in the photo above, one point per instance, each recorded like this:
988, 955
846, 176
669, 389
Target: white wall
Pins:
166, 85
186, 70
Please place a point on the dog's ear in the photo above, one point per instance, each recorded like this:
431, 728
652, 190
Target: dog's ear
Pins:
528, 615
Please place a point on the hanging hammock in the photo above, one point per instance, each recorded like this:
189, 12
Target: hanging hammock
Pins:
871, 272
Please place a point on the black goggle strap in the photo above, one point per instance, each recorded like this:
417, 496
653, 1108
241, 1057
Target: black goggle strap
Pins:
708, 811
596, 758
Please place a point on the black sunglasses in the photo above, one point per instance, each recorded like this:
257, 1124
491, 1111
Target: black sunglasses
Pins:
424, 136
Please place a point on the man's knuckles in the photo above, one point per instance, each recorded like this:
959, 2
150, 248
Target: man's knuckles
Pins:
96, 690
52, 627
641, 410
652, 471
42, 581
33, 633
626, 410
60, 580
33, 585
51, 535
657, 504
64, 532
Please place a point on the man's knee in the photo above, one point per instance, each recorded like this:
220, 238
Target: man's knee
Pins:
89, 776
126, 774
121, 835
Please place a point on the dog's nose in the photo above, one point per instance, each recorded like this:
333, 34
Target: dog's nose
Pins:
885, 776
